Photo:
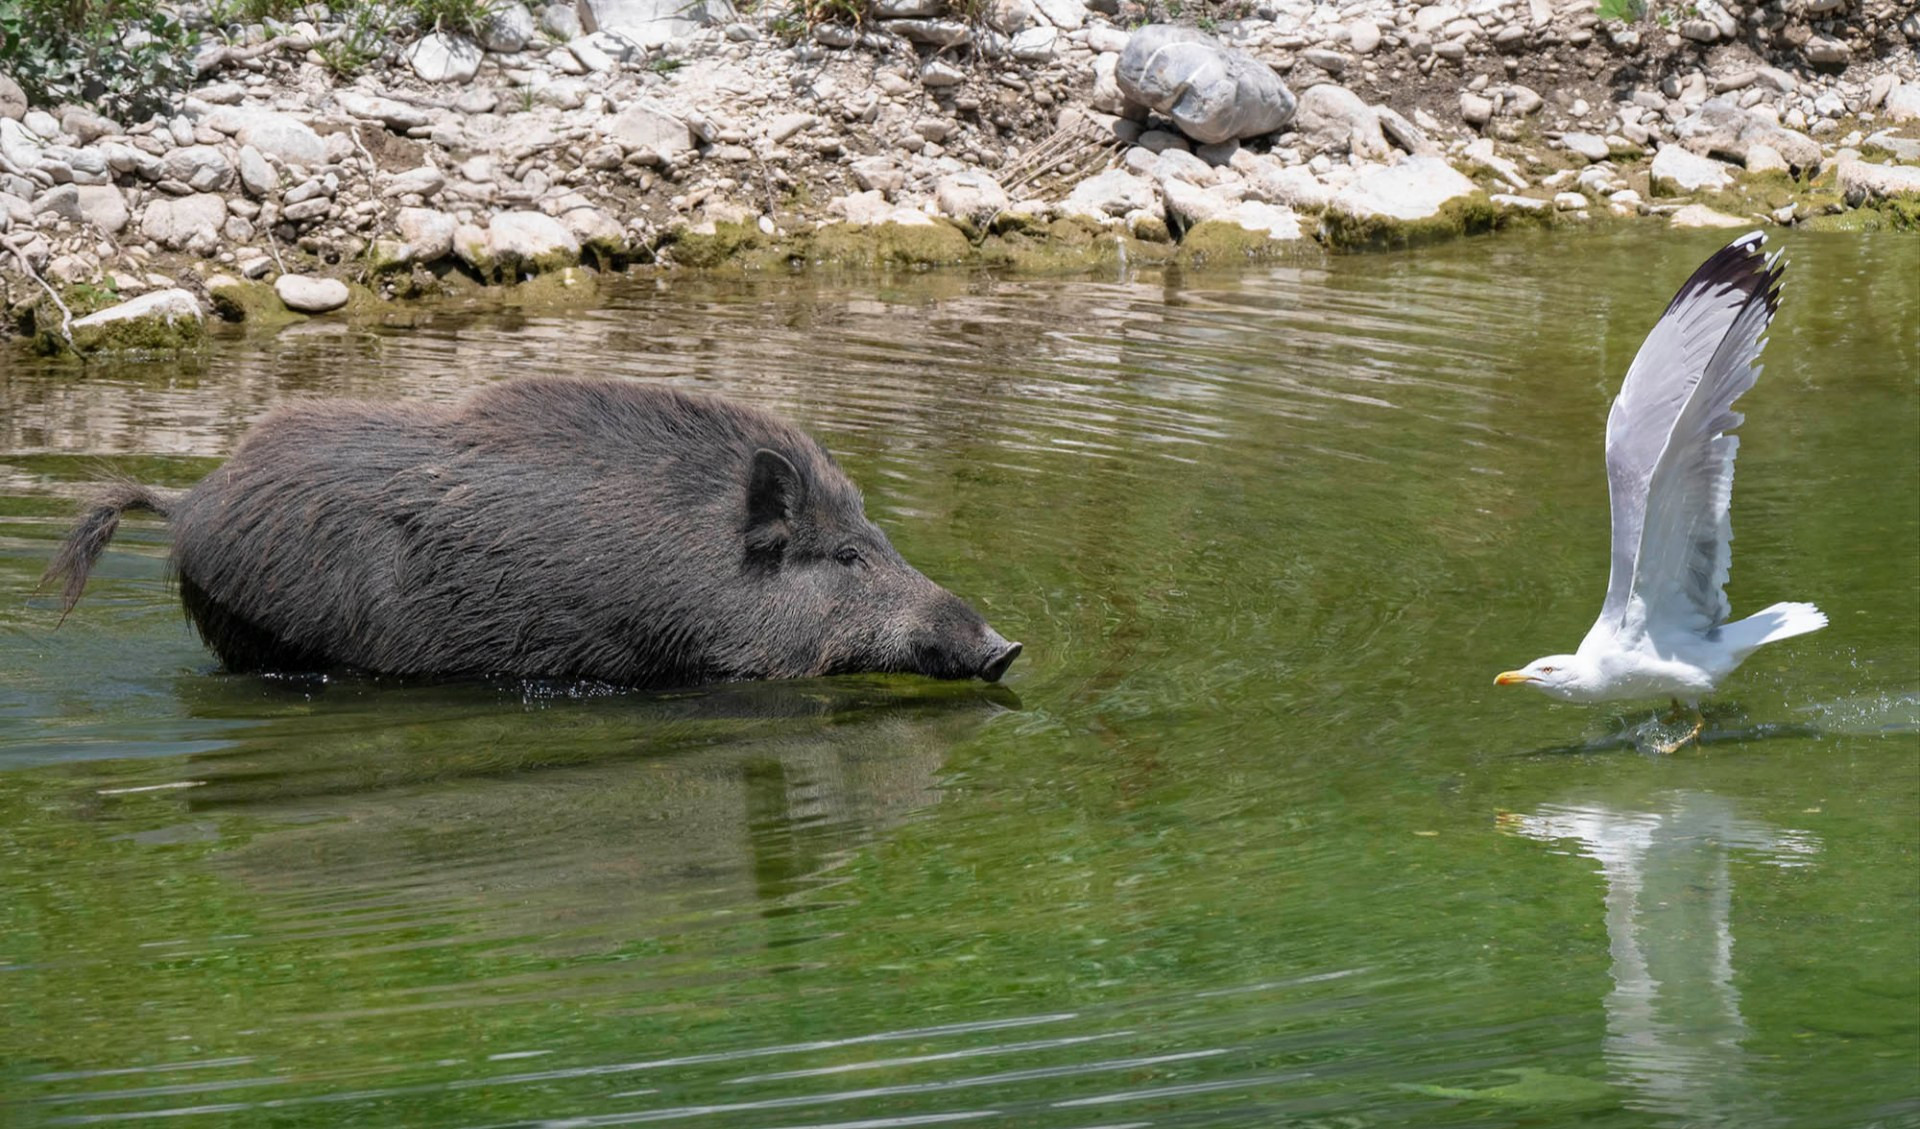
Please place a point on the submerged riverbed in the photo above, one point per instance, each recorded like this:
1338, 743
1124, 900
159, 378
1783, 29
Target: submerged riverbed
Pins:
1247, 836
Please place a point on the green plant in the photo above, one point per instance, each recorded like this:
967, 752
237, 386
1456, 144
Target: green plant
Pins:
126, 58
365, 32
810, 13
460, 17
1624, 11
664, 64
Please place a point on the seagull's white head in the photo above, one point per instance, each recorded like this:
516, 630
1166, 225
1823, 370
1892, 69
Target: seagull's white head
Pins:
1566, 677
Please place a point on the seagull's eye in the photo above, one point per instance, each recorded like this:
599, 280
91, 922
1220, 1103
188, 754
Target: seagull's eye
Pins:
1546, 670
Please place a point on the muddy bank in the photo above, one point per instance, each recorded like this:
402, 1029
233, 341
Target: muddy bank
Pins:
1024, 134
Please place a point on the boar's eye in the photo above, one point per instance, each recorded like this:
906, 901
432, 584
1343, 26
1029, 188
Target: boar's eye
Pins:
847, 555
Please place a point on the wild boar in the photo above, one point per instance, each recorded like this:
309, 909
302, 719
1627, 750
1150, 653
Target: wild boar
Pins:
601, 530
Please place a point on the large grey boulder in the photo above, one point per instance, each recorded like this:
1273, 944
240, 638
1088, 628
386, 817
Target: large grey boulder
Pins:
1212, 92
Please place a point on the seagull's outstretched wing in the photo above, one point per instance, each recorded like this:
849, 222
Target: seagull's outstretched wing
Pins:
1669, 459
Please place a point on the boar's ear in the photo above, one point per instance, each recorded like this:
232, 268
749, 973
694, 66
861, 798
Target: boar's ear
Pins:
776, 492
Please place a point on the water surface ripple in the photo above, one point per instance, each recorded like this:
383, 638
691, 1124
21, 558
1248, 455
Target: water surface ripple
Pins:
1247, 838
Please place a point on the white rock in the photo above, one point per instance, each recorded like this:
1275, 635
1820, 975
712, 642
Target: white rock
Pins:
1363, 35
1860, 181
862, 209
938, 72
1903, 103
1569, 201
177, 222
1481, 153
561, 21
428, 233
593, 226
1067, 15
1294, 186
646, 125
1676, 172
1699, 215
13, 101
527, 241
1107, 96
1765, 158
1476, 110
256, 175
591, 55
308, 295
425, 181
649, 23
170, 305
1273, 221
1112, 193
786, 125
1036, 44
202, 168
1828, 51
1187, 204
100, 206
439, 57
1335, 119
273, 133
393, 114
1413, 189
971, 197
509, 28
1587, 145
1519, 203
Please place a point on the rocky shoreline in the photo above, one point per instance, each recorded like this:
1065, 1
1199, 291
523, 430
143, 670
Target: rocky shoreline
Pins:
610, 135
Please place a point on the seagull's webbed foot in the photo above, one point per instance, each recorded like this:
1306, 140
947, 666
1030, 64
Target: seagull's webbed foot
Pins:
1674, 715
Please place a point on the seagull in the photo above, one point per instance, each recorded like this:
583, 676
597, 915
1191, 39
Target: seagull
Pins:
1663, 631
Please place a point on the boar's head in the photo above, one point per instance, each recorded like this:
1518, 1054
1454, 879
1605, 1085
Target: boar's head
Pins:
836, 597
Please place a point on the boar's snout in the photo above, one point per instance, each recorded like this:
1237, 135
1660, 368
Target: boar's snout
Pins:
951, 640
999, 656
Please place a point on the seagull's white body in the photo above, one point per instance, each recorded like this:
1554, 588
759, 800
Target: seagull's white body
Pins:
1663, 631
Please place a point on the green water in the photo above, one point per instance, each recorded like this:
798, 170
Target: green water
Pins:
1247, 837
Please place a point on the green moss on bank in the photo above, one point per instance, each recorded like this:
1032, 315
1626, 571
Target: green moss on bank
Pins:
1467, 215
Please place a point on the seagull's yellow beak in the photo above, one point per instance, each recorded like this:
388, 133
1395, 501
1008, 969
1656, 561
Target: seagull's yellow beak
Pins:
1513, 678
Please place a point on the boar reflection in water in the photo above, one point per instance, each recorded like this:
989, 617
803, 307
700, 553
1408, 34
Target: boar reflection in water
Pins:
576, 529
631, 809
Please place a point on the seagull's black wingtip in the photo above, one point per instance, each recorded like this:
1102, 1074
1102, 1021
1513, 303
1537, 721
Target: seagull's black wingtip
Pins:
1741, 265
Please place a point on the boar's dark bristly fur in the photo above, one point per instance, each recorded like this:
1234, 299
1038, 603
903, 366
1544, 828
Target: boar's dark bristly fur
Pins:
591, 529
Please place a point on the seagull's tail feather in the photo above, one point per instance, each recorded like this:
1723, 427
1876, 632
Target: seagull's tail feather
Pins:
1781, 621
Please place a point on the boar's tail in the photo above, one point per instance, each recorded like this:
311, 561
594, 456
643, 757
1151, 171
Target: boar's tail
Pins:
95, 528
